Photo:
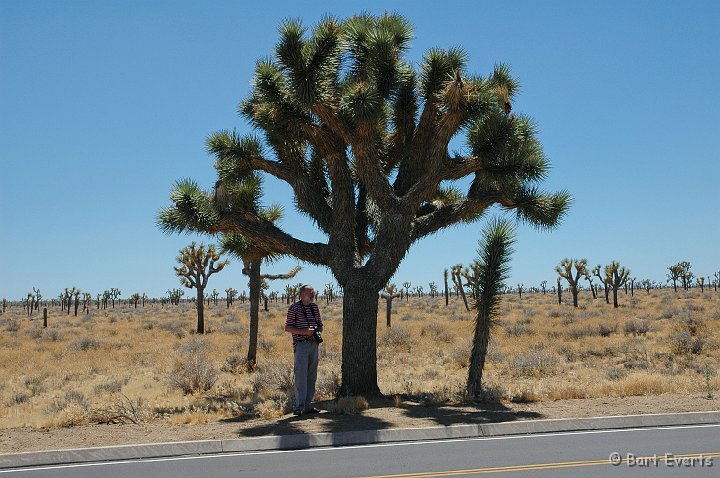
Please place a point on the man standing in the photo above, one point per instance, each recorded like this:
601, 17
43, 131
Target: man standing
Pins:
303, 319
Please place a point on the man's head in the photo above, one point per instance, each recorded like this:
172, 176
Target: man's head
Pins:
307, 294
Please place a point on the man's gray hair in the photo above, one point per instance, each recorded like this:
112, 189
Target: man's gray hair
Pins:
304, 287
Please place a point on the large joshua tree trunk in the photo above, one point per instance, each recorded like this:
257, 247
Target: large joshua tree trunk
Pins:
360, 308
200, 302
254, 285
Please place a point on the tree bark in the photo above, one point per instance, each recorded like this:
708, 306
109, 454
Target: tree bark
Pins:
615, 302
574, 291
479, 352
359, 341
254, 285
200, 310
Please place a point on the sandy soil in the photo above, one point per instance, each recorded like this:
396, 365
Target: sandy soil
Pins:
380, 415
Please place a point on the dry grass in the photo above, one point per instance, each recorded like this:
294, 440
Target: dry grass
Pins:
146, 364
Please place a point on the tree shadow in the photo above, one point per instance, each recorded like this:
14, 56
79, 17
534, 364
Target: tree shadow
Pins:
476, 413
325, 422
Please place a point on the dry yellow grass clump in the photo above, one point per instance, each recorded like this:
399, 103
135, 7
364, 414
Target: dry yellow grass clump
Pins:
136, 365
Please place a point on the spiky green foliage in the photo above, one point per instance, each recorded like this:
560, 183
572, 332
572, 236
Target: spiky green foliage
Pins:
490, 270
361, 136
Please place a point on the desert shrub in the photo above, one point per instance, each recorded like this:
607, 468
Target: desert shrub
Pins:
684, 343
328, 386
534, 363
273, 378
436, 333
35, 333
149, 325
85, 344
235, 364
36, 384
669, 313
272, 409
112, 386
518, 330
577, 333
606, 330
192, 369
460, 356
174, 328
349, 405
525, 395
636, 327
616, 373
555, 313
690, 323
12, 325
396, 337
18, 398
265, 345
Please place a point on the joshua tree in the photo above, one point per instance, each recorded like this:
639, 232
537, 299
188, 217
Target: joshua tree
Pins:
559, 291
520, 289
87, 302
433, 289
457, 280
214, 296
674, 274
616, 277
135, 299
716, 282
605, 280
114, 294
389, 294
491, 271
361, 136
230, 294
76, 300
564, 270
69, 293
329, 292
253, 255
38, 298
701, 283
197, 264
419, 291
406, 286
543, 285
686, 275
447, 295
4, 305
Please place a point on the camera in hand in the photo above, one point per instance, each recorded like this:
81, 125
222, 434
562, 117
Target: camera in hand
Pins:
317, 337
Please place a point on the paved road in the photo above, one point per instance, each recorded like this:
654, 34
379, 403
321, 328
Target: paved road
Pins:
695, 449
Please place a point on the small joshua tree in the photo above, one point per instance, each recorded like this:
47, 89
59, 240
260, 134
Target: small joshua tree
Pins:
230, 294
616, 277
543, 285
67, 297
490, 272
389, 294
605, 280
701, 283
406, 286
564, 270
197, 264
716, 282
433, 289
114, 295
135, 299
87, 302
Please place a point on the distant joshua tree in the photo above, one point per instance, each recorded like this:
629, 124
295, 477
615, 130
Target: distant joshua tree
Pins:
457, 280
716, 282
135, 299
543, 285
616, 277
389, 294
433, 289
559, 291
329, 292
520, 289
114, 295
447, 294
604, 280
230, 294
197, 264
564, 270
701, 283
406, 286
86, 302
69, 293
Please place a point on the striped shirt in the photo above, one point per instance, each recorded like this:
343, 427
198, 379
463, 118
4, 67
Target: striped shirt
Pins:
300, 316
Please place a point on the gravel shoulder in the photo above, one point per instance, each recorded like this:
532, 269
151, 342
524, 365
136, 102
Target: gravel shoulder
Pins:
380, 415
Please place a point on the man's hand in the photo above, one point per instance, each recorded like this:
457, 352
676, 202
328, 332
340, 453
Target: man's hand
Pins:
310, 331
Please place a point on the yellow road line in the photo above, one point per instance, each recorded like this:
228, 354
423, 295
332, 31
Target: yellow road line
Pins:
544, 466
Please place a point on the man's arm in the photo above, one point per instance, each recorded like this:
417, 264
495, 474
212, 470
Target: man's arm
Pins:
293, 330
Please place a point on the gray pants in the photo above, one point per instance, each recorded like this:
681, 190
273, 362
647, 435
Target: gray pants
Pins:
306, 365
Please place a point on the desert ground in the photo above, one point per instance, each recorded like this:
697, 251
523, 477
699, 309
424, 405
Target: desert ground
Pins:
128, 374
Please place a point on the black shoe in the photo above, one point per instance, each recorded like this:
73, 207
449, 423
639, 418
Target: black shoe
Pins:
312, 410
297, 412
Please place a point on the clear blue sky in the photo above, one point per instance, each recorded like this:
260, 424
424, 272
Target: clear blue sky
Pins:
103, 105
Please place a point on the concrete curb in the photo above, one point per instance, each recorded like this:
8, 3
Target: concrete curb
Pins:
362, 437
